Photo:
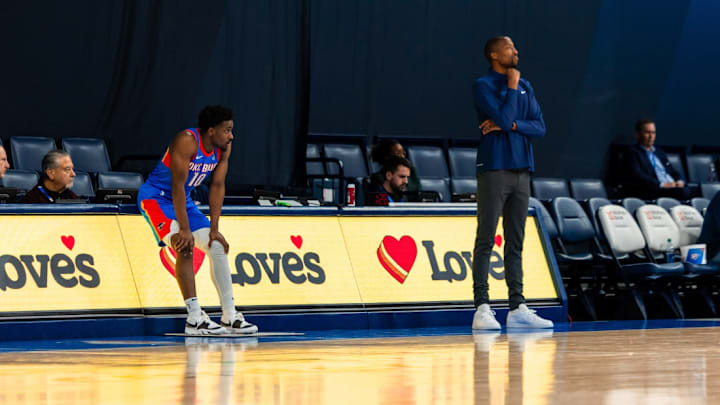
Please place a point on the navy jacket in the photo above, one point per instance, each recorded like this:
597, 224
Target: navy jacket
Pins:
710, 234
507, 149
640, 171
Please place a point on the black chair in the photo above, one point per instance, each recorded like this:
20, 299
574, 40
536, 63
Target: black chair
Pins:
463, 186
547, 219
667, 203
120, 180
700, 204
676, 163
352, 158
82, 185
312, 150
23, 180
373, 166
585, 189
28, 151
463, 163
701, 168
429, 161
709, 189
88, 154
546, 188
440, 186
631, 204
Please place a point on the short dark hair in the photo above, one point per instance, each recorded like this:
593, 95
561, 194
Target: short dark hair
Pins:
51, 160
382, 150
213, 115
393, 162
491, 46
640, 124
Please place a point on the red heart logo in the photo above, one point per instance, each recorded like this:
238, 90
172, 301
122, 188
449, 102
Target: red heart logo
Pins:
296, 240
168, 258
397, 256
68, 241
498, 240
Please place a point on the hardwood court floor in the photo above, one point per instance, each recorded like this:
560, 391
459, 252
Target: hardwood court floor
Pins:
655, 366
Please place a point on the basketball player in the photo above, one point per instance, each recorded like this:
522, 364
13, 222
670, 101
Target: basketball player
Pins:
165, 202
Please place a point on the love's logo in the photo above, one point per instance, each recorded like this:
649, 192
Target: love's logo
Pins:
168, 258
397, 256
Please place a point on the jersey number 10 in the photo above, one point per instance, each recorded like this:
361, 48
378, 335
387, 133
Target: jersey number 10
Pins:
197, 179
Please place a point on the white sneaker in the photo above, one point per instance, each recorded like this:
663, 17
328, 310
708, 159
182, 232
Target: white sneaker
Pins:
203, 326
485, 318
239, 325
524, 317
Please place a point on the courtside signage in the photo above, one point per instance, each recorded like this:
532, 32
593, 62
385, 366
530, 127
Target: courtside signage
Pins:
64, 263
424, 259
273, 261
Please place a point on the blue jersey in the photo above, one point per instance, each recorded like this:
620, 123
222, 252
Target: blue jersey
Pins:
200, 167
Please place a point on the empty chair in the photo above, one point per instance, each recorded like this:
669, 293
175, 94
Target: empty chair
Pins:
88, 154
548, 222
429, 161
689, 222
28, 151
700, 168
593, 205
709, 189
657, 227
463, 163
667, 203
463, 186
700, 204
676, 162
313, 168
120, 180
585, 189
350, 155
23, 180
440, 186
82, 185
631, 204
546, 188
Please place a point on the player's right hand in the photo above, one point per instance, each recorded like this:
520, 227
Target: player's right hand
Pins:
183, 241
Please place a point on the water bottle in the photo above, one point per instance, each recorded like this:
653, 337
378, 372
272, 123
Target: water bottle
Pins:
669, 251
328, 191
713, 176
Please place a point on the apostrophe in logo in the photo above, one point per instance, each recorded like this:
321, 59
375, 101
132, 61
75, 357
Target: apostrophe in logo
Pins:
168, 256
14, 270
397, 256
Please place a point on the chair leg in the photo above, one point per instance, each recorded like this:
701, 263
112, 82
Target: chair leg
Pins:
672, 299
708, 298
639, 302
587, 303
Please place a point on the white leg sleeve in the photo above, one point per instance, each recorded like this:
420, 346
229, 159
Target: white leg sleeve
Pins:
219, 271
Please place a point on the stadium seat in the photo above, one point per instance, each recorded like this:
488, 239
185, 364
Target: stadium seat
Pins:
463, 186
429, 162
23, 180
373, 166
667, 203
700, 168
88, 154
440, 186
593, 205
82, 185
28, 151
700, 204
585, 189
547, 219
624, 236
352, 158
631, 204
313, 168
463, 163
120, 180
709, 189
546, 188
657, 227
676, 163
689, 222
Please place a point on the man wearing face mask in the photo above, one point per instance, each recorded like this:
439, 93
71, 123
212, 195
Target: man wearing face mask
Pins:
509, 117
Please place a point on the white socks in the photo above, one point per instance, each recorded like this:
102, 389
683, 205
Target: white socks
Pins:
219, 272
193, 308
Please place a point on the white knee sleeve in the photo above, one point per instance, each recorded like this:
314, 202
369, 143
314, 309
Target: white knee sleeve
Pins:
219, 270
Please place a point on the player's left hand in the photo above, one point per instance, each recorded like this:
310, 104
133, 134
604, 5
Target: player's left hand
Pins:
216, 235
488, 126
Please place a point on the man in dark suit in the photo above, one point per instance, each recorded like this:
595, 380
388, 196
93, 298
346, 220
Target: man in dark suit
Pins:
649, 172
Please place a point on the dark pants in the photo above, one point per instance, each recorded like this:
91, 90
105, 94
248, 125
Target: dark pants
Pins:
499, 192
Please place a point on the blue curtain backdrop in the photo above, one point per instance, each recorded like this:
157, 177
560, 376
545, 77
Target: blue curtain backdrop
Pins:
136, 72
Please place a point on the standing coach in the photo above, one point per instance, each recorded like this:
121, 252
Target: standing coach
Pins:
509, 117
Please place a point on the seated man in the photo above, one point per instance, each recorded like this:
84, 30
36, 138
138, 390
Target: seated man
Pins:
381, 152
396, 172
710, 233
650, 174
56, 180
4, 165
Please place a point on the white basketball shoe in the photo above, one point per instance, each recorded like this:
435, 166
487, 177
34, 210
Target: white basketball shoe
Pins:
524, 317
485, 318
203, 326
238, 324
